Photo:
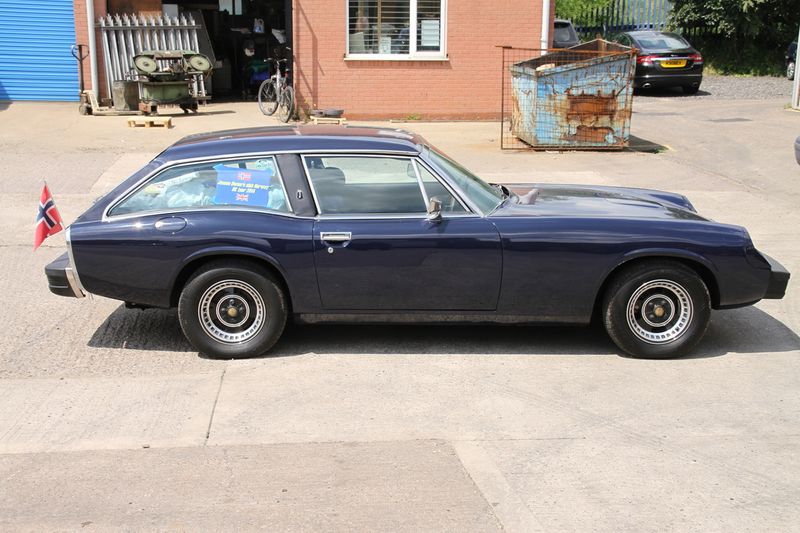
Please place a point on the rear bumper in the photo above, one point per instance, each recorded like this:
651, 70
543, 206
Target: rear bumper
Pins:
61, 278
778, 279
668, 80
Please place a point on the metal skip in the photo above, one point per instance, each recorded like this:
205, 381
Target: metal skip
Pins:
577, 98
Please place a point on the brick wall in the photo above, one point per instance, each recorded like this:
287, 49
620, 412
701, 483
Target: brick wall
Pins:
82, 37
467, 85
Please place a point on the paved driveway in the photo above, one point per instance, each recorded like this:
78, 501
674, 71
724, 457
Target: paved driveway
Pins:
108, 419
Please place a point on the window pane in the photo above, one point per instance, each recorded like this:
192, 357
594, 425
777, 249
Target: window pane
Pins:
252, 182
435, 189
429, 25
481, 193
377, 185
379, 26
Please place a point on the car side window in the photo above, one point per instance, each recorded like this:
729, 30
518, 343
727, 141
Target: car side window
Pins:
435, 189
365, 185
248, 182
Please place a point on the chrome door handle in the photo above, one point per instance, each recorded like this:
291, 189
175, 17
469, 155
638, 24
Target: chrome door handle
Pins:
335, 236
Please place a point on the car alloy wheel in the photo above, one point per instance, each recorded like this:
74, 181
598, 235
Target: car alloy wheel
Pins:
659, 312
656, 308
233, 309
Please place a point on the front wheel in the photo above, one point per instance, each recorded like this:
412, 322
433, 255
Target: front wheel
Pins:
232, 310
657, 309
286, 108
267, 97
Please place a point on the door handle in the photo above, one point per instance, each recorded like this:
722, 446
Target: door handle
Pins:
335, 236
170, 224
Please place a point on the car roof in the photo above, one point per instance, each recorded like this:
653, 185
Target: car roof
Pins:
301, 138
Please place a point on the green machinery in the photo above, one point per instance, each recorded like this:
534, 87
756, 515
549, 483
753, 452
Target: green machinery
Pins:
169, 77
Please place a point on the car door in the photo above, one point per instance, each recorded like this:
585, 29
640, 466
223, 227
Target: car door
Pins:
376, 249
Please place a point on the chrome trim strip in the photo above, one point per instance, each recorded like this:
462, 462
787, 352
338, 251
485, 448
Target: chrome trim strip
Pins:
72, 271
443, 177
445, 184
178, 210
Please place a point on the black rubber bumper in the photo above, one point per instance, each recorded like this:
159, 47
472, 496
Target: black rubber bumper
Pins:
61, 278
778, 279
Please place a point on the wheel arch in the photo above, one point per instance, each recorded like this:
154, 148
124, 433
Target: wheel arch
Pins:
200, 259
701, 266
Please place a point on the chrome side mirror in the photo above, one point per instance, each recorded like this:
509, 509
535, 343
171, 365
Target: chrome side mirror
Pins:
435, 210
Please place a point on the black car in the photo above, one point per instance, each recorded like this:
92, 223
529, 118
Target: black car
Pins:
564, 34
664, 60
791, 54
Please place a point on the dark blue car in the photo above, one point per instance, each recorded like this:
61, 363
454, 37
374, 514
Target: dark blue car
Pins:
242, 230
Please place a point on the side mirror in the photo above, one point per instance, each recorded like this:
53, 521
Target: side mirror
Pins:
435, 210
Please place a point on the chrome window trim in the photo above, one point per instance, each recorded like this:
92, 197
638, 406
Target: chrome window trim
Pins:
415, 159
210, 209
71, 271
166, 168
442, 175
238, 155
398, 216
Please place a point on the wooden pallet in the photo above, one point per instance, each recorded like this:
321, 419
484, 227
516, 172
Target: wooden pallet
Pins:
165, 122
329, 120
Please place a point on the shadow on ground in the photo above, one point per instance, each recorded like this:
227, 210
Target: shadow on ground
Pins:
747, 330
668, 92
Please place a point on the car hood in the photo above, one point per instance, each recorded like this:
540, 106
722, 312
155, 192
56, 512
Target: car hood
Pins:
594, 201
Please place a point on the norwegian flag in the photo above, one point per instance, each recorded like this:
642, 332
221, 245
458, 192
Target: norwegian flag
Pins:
48, 221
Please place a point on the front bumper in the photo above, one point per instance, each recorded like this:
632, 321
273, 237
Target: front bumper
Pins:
778, 279
62, 279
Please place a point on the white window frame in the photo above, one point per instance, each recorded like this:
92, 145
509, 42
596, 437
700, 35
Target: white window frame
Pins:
413, 54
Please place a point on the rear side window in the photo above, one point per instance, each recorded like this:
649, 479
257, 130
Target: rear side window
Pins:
249, 183
365, 185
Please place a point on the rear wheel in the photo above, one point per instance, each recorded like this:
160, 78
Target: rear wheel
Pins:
690, 89
232, 310
267, 97
286, 104
657, 309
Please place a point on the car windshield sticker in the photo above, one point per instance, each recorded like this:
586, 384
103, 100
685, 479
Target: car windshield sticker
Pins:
242, 186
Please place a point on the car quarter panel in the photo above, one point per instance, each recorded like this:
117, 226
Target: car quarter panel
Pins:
129, 259
554, 267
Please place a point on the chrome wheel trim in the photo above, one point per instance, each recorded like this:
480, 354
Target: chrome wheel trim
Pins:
210, 311
679, 317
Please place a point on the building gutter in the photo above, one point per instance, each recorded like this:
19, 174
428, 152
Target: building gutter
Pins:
545, 41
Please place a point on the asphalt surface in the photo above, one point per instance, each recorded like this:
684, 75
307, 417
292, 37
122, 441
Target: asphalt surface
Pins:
109, 420
731, 88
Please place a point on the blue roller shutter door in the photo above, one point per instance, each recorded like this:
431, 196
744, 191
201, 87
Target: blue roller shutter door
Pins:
35, 59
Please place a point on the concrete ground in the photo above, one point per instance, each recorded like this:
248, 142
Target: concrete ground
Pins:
109, 420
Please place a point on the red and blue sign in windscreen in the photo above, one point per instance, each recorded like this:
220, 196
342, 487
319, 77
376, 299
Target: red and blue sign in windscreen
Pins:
242, 186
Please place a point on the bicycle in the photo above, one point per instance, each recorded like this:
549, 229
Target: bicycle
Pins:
275, 93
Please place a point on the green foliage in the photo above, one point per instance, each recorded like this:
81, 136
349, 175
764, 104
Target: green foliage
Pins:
573, 9
739, 36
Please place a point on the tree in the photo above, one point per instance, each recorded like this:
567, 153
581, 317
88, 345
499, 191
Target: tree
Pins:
768, 21
574, 9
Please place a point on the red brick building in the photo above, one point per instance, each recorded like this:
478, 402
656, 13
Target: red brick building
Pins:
377, 58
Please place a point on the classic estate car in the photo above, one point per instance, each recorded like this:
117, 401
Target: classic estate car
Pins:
243, 229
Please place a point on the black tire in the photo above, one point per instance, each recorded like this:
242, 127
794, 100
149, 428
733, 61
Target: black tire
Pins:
267, 97
206, 318
286, 105
790, 70
690, 89
646, 289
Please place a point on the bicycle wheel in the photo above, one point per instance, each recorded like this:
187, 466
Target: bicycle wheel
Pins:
267, 100
286, 104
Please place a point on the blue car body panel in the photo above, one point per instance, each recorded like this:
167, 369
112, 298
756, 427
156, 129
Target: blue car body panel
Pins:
542, 256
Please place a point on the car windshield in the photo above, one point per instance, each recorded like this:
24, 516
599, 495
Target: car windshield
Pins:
486, 197
661, 41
